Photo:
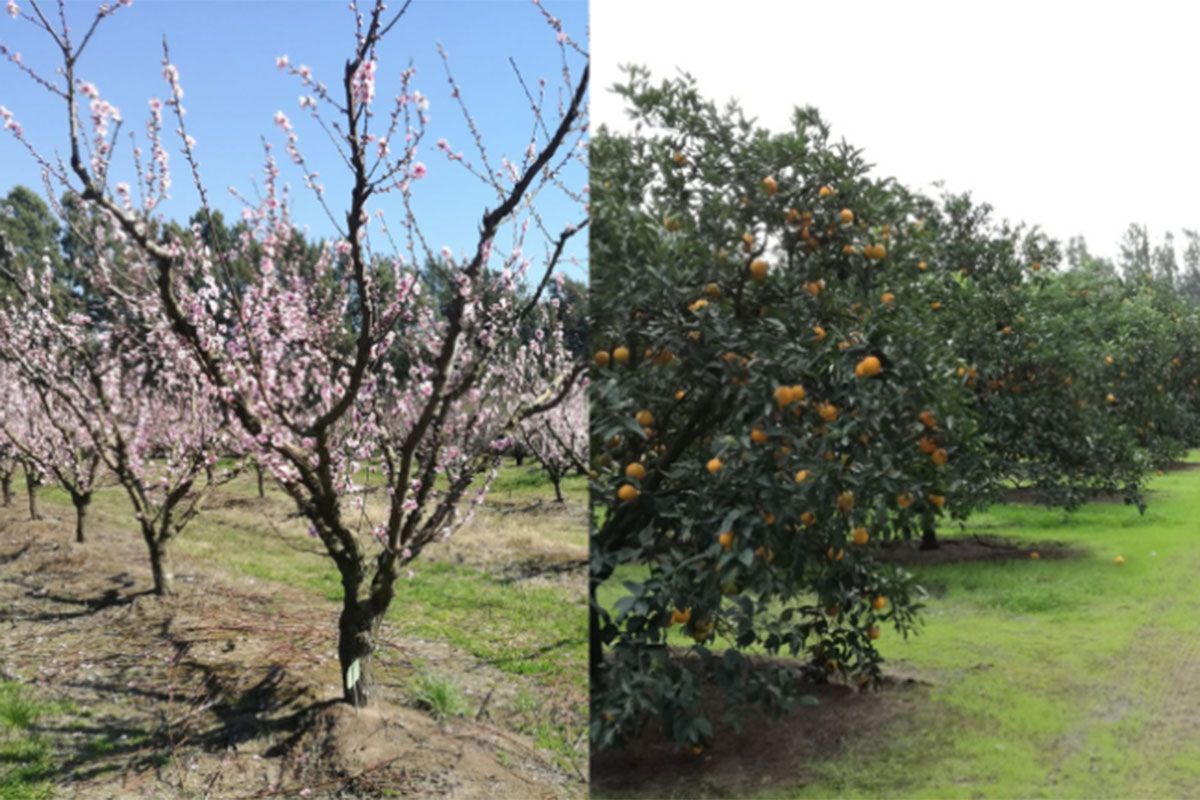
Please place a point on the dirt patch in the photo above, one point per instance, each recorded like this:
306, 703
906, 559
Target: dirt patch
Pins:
226, 690
1181, 466
963, 549
765, 753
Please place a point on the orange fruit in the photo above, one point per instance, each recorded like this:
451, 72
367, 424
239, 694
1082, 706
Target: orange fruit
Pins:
679, 158
783, 396
808, 518
888, 298
726, 540
1119, 560
904, 500
846, 216
714, 465
921, 265
770, 185
645, 417
802, 476
860, 536
758, 436
635, 471
818, 332
798, 393
874, 632
768, 518
758, 270
826, 191
845, 501
1035, 555
1035, 266
747, 241
868, 367
875, 252
698, 304
814, 287
827, 411
627, 493
1109, 359
939, 457
713, 291
937, 500
602, 359
1110, 398
680, 394
936, 305
928, 419
928, 446
879, 603
621, 355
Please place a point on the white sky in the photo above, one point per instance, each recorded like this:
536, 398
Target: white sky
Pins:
1078, 117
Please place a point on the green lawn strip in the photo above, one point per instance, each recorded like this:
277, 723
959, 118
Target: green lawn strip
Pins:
27, 763
1050, 678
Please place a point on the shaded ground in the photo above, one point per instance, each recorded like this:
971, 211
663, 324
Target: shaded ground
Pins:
764, 753
224, 691
975, 548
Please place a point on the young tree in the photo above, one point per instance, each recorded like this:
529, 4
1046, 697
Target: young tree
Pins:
122, 390
558, 438
319, 376
38, 427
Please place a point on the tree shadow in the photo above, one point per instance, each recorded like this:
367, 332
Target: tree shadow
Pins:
537, 568
110, 598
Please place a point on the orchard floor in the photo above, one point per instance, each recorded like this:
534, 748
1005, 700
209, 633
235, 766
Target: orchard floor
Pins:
226, 690
1062, 677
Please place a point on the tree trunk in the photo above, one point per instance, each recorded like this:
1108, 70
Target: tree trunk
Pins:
31, 484
6, 485
160, 565
261, 490
929, 539
595, 646
356, 642
556, 479
81, 502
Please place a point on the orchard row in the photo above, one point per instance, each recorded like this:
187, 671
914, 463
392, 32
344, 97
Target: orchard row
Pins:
797, 364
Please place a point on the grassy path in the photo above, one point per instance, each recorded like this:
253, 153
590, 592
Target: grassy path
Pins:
1051, 678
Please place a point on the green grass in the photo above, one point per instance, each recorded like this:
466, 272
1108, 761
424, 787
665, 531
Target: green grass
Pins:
26, 761
1052, 678
439, 696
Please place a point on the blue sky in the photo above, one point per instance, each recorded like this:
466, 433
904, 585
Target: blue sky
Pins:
226, 51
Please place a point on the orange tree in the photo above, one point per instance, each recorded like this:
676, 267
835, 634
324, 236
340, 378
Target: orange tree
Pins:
767, 409
1069, 370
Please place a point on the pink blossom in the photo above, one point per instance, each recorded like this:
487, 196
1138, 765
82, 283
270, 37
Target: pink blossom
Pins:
12, 9
281, 62
419, 171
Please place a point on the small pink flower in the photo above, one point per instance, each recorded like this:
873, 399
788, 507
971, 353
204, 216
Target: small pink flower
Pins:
281, 62
419, 171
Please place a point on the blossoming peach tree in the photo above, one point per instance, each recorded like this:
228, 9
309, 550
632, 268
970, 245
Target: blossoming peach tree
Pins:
33, 424
324, 368
116, 390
